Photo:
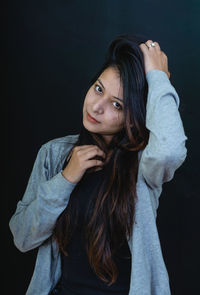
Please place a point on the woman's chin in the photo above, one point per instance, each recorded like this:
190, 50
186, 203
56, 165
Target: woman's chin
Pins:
89, 126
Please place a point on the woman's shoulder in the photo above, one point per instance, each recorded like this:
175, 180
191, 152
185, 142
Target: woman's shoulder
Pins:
71, 138
61, 141
58, 147
53, 152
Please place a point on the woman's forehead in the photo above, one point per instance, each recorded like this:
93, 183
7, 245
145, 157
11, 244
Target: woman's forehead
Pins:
111, 82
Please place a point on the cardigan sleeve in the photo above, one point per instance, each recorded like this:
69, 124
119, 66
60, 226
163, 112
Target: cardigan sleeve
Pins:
43, 201
166, 150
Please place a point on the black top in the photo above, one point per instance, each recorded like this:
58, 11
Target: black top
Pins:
78, 278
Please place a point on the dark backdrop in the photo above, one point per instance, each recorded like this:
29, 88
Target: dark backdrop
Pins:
53, 49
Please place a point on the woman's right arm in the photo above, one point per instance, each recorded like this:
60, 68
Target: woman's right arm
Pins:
43, 201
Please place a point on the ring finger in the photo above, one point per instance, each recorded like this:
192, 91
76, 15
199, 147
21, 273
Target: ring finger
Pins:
149, 42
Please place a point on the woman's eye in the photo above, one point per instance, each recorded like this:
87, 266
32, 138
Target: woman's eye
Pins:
118, 107
96, 87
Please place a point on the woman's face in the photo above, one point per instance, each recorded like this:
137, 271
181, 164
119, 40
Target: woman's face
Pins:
104, 102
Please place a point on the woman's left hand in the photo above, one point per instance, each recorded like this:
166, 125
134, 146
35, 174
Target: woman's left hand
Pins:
154, 57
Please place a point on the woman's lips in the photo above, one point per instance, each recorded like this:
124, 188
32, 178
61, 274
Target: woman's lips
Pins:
91, 119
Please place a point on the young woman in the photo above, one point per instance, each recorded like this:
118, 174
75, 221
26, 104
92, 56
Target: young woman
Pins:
91, 200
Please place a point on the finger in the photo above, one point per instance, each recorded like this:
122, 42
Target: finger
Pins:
93, 147
144, 48
84, 147
92, 163
148, 43
91, 153
157, 45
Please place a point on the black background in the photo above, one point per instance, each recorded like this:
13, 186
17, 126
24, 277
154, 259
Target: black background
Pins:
53, 48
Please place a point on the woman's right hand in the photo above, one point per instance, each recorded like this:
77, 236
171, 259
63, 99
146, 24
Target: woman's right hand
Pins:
81, 160
154, 57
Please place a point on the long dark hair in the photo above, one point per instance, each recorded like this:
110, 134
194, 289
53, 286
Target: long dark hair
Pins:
112, 218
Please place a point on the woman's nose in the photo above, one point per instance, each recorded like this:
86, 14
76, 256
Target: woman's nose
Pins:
99, 105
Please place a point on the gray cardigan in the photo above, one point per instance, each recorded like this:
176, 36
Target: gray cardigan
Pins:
48, 193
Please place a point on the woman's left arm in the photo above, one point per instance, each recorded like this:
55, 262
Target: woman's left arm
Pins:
165, 151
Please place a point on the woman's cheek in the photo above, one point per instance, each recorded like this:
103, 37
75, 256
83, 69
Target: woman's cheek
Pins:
116, 119
90, 98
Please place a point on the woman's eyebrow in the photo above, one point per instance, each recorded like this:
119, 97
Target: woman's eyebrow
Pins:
105, 88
